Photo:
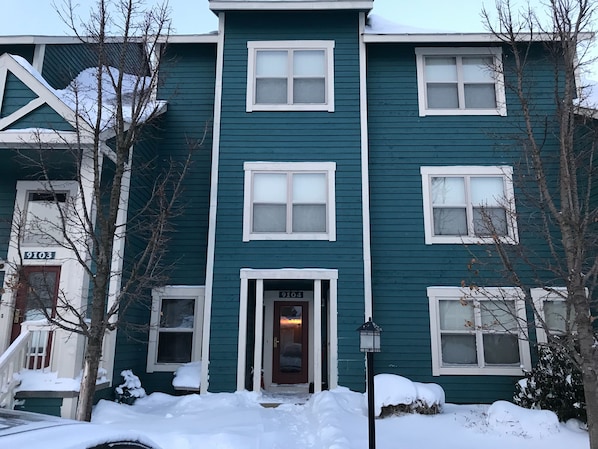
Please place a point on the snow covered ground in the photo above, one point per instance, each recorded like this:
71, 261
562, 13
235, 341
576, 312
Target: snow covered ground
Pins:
334, 419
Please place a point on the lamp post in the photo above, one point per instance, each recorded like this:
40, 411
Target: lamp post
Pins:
369, 342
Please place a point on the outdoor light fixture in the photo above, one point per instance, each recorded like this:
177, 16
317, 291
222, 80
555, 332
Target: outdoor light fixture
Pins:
369, 342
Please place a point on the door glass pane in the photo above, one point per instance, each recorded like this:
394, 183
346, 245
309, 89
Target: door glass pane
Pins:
269, 218
41, 292
309, 63
448, 191
442, 96
450, 221
456, 315
501, 349
291, 348
439, 68
271, 91
459, 350
309, 90
174, 347
177, 313
480, 96
309, 218
478, 69
271, 64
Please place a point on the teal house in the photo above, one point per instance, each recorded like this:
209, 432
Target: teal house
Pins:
344, 173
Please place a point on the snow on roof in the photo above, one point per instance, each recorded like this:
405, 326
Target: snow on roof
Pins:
82, 94
379, 25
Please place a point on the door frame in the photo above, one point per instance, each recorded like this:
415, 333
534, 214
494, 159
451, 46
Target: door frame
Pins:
315, 274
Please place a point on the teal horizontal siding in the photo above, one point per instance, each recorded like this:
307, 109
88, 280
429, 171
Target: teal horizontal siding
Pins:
16, 95
403, 266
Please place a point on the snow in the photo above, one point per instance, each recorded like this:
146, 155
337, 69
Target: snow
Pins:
187, 377
46, 380
379, 25
335, 419
131, 385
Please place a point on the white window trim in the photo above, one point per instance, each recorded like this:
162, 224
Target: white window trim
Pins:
285, 167
23, 190
539, 297
496, 52
254, 46
178, 292
437, 293
503, 170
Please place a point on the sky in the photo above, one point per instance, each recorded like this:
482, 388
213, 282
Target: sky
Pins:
335, 419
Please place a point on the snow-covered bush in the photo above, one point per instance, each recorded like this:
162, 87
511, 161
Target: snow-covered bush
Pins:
130, 390
395, 395
554, 384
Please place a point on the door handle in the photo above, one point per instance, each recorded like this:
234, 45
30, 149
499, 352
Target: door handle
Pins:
17, 316
276, 341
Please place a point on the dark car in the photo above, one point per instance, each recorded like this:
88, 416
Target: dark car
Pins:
25, 430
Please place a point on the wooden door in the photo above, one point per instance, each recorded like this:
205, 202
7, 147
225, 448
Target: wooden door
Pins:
290, 343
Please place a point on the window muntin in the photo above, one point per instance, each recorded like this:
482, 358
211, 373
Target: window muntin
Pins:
289, 201
460, 81
468, 204
477, 333
177, 314
290, 75
43, 220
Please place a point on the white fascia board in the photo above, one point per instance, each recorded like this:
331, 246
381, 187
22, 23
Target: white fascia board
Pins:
29, 138
296, 5
211, 38
437, 38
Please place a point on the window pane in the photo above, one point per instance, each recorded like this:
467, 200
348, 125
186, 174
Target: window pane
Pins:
456, 315
448, 191
177, 313
459, 349
43, 224
554, 315
449, 221
174, 347
442, 96
271, 91
498, 316
41, 294
489, 221
310, 63
309, 218
270, 188
478, 69
480, 96
487, 191
271, 64
269, 217
440, 68
309, 90
309, 188
501, 349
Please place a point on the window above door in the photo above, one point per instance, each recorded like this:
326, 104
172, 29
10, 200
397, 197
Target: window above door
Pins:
289, 201
290, 76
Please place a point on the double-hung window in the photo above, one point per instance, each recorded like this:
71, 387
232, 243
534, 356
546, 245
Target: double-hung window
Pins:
478, 332
289, 201
290, 76
460, 81
176, 323
556, 312
468, 204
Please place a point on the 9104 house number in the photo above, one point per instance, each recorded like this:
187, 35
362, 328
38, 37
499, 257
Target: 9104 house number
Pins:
40, 255
290, 294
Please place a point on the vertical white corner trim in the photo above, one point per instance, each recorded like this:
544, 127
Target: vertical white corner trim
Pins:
242, 336
38, 57
365, 180
317, 355
207, 316
259, 335
333, 339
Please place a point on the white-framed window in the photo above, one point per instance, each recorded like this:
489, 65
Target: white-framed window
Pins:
176, 327
554, 310
478, 332
289, 201
290, 76
460, 81
38, 211
468, 204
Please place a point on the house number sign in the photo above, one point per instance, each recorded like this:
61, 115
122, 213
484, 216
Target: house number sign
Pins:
40, 255
290, 294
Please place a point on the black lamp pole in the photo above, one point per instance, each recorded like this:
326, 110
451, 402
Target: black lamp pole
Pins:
371, 421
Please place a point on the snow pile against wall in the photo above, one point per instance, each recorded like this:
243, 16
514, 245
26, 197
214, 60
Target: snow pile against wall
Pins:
188, 376
510, 418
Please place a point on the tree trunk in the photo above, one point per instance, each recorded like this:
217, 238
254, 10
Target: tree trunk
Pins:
93, 354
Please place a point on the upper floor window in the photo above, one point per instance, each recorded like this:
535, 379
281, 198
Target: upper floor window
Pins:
468, 204
289, 201
478, 332
460, 81
290, 76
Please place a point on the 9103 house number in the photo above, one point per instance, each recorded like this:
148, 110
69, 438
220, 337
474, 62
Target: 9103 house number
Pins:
290, 294
39, 255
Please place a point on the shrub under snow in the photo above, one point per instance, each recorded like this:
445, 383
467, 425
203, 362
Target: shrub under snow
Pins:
396, 395
130, 390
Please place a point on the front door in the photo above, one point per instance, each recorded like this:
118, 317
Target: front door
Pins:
37, 294
290, 342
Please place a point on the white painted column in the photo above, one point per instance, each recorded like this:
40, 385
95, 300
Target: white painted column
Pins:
259, 326
242, 336
317, 352
332, 336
